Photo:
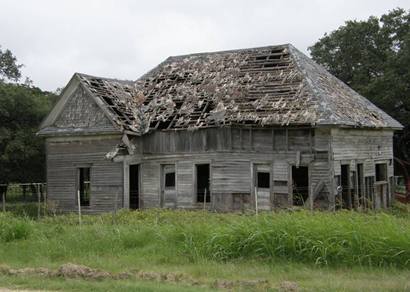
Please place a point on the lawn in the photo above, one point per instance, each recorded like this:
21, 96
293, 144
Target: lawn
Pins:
160, 250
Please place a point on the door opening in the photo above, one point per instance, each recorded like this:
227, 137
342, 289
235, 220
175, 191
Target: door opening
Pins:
346, 187
168, 190
202, 183
134, 186
360, 185
300, 184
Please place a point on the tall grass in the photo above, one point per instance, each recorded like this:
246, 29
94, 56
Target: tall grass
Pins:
334, 239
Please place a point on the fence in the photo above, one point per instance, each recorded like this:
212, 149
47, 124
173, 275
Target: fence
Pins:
24, 198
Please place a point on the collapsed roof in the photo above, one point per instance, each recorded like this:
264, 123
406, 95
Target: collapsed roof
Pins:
268, 86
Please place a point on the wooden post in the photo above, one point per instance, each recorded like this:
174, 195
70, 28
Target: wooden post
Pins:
38, 201
44, 198
256, 200
205, 199
311, 197
114, 215
79, 207
4, 198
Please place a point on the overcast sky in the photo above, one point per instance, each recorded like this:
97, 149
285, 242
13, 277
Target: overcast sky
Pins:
125, 38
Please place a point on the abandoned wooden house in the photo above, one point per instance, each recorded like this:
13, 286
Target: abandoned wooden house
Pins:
243, 129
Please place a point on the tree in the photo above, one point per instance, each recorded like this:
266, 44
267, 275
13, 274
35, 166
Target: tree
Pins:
9, 68
22, 108
373, 57
21, 151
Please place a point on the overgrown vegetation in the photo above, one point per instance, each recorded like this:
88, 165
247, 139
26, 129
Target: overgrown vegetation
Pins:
334, 239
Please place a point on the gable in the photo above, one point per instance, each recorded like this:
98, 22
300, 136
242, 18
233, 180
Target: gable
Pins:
77, 112
81, 111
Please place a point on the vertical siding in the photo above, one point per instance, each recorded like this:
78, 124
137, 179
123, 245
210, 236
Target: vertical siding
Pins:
151, 184
185, 184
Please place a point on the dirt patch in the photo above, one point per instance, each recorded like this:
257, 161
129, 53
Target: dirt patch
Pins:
71, 270
78, 271
288, 286
21, 290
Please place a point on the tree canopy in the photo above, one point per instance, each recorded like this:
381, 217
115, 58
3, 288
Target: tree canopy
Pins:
22, 108
373, 57
9, 68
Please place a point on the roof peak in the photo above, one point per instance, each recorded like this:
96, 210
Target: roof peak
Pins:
287, 45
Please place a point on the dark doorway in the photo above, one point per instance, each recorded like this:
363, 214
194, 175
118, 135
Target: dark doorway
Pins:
346, 187
300, 183
360, 184
202, 183
134, 187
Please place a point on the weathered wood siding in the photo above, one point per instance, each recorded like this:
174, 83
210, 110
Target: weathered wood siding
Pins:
354, 144
81, 112
65, 155
151, 184
233, 155
367, 147
229, 139
184, 183
230, 177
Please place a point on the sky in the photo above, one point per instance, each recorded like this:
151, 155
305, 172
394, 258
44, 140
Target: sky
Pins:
125, 38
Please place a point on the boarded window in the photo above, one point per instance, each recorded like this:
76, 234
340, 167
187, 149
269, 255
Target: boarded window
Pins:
84, 185
246, 139
262, 140
299, 139
280, 140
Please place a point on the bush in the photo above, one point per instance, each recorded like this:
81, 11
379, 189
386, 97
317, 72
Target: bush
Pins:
12, 228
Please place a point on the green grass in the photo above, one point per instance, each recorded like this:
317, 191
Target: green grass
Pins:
319, 250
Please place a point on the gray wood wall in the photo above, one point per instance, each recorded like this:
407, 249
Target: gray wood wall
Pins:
65, 155
232, 155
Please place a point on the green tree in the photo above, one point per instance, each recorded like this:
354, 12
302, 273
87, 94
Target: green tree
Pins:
22, 108
9, 68
21, 151
373, 57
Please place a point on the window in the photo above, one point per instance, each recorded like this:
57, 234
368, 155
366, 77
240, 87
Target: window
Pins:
263, 180
381, 172
84, 185
170, 180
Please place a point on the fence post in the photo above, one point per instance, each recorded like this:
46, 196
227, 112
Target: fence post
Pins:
44, 191
4, 198
79, 207
114, 215
256, 200
205, 199
38, 200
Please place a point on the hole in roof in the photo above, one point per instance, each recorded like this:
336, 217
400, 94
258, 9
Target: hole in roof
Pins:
275, 57
108, 100
276, 51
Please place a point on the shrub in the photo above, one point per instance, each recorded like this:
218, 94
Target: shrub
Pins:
12, 228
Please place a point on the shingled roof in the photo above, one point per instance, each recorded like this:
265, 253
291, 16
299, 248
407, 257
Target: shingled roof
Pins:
267, 86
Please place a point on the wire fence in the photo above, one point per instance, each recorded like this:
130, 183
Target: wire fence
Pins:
24, 198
